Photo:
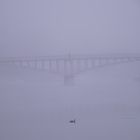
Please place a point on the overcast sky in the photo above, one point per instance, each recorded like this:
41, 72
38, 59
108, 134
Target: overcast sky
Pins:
42, 27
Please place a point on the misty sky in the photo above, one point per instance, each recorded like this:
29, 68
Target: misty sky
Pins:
42, 27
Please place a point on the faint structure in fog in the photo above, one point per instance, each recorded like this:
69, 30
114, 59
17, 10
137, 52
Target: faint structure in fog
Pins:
70, 66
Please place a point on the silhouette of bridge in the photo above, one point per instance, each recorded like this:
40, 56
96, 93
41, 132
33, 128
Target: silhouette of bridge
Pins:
71, 65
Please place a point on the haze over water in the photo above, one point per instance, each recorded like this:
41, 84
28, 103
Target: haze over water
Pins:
105, 102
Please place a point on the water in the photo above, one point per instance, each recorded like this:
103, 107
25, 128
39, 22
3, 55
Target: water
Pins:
37, 105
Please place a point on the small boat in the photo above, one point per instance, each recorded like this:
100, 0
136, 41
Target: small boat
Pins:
72, 121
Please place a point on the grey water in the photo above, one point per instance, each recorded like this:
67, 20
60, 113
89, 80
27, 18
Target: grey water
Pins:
37, 105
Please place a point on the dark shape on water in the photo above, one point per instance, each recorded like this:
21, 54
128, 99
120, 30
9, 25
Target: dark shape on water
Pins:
72, 121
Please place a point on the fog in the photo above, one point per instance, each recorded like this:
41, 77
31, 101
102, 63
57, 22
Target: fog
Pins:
104, 101
35, 104
41, 27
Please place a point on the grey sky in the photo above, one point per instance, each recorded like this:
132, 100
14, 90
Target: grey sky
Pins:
41, 27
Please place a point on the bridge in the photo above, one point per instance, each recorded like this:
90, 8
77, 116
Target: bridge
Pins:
70, 65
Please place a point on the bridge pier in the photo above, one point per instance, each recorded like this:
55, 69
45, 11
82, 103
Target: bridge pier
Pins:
68, 80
